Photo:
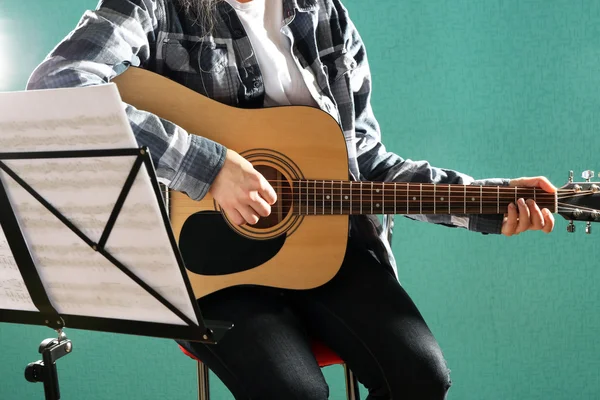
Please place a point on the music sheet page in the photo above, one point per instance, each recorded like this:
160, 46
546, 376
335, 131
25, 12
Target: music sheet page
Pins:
80, 281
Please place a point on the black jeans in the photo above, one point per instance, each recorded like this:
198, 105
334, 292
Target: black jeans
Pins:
363, 314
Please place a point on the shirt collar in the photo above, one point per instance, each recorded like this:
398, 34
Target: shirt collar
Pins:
289, 6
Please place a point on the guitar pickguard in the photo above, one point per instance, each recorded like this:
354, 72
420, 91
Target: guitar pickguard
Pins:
209, 246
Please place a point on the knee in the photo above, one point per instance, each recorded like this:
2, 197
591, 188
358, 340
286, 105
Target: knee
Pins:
431, 372
436, 373
424, 376
299, 387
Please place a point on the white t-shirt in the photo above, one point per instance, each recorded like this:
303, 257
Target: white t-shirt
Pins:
284, 83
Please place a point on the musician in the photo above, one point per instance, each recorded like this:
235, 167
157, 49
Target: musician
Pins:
263, 53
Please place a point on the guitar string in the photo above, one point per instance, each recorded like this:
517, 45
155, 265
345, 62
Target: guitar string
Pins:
432, 194
440, 190
365, 183
401, 187
429, 194
335, 194
565, 205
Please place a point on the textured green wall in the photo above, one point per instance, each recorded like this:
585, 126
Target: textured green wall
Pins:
492, 88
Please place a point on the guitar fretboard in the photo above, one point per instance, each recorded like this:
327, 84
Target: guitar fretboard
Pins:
319, 197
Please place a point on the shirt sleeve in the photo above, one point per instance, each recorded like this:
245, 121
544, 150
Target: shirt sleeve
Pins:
105, 42
377, 164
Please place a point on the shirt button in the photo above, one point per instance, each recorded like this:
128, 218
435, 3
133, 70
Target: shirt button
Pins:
256, 84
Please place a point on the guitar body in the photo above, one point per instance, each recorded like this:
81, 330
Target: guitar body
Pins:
285, 144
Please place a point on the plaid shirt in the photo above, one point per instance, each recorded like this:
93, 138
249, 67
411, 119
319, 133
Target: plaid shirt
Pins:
156, 35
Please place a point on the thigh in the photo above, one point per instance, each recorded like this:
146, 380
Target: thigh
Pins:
266, 355
366, 316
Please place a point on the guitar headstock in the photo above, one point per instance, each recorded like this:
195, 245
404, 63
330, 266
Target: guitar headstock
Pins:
580, 201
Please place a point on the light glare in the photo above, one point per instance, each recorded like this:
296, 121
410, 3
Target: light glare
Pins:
6, 59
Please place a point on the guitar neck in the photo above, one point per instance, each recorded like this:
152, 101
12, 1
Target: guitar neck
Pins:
319, 197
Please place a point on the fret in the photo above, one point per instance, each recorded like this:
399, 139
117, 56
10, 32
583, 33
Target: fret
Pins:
480, 199
371, 197
305, 194
341, 196
361, 192
346, 197
407, 199
465, 187
421, 198
449, 202
395, 198
516, 194
534, 195
350, 197
434, 198
383, 198
307, 197
331, 197
315, 198
323, 189
498, 200
299, 198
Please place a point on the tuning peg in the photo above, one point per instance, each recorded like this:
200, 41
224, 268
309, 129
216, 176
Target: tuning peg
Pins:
571, 227
588, 228
570, 176
587, 175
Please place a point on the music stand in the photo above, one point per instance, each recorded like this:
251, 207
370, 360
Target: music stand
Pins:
41, 301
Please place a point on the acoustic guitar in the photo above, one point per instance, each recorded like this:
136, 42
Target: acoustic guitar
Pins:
302, 152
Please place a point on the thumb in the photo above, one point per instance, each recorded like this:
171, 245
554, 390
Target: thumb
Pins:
539, 181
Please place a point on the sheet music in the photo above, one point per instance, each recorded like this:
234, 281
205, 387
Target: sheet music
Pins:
80, 281
13, 293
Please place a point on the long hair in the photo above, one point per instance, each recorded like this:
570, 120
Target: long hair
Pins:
202, 12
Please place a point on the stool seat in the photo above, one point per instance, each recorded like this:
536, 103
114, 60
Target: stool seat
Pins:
324, 355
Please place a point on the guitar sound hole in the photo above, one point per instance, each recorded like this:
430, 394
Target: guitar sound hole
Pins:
282, 207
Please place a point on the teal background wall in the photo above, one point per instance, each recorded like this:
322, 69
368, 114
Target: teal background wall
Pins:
492, 88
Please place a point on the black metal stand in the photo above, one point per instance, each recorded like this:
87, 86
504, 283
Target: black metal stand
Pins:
202, 331
53, 349
44, 370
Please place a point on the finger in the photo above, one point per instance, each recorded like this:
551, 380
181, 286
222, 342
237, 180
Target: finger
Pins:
267, 192
546, 185
539, 181
260, 206
537, 219
234, 216
548, 221
510, 223
524, 216
250, 216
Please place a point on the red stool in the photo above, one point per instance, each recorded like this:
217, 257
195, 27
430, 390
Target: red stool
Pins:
324, 355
